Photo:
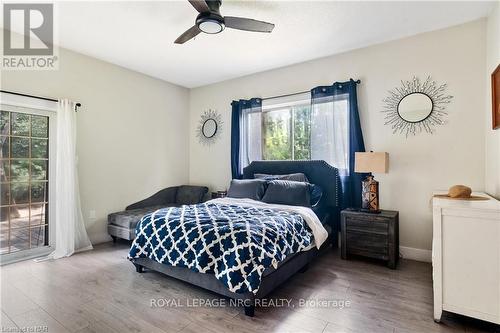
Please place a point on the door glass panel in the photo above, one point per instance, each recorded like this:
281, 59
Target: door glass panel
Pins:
4, 123
20, 193
39, 148
20, 147
19, 216
19, 239
24, 176
4, 240
39, 170
38, 192
38, 215
20, 170
37, 236
4, 144
20, 124
39, 126
4, 194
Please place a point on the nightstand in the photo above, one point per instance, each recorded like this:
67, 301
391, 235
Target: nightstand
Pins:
371, 235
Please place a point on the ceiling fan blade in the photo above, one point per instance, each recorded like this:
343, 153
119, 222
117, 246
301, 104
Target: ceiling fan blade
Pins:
200, 5
247, 24
190, 33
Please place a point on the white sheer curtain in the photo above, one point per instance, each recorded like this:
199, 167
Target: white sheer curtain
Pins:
251, 137
329, 132
71, 235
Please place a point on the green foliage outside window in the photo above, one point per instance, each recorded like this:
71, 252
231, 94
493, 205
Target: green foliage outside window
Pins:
286, 134
24, 147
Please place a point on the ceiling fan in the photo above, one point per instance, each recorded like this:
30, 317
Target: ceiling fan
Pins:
210, 21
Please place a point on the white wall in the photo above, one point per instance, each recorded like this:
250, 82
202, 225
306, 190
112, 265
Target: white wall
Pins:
418, 165
132, 137
492, 179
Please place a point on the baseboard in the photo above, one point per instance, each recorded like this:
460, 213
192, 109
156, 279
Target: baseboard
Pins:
415, 254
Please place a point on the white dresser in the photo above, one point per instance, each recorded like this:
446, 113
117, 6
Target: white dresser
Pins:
466, 258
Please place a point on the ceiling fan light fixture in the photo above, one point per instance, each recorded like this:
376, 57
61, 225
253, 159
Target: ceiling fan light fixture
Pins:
210, 21
210, 26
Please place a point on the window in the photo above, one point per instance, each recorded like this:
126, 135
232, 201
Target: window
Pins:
25, 139
292, 129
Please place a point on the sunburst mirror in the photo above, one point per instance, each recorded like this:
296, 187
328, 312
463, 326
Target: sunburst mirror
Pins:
209, 127
416, 107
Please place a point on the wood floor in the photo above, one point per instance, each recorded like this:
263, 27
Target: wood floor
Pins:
99, 291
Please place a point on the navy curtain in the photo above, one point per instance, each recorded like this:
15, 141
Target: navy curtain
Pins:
238, 109
350, 181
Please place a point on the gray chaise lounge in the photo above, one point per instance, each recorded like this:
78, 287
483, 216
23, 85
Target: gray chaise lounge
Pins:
122, 224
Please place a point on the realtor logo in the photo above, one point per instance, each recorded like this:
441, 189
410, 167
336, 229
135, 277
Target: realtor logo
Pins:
28, 36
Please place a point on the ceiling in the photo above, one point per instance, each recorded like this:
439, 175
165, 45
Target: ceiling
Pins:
140, 35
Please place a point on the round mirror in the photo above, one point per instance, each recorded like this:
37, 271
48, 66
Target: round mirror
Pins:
209, 128
415, 107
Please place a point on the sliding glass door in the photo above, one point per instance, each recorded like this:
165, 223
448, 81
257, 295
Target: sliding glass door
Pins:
25, 178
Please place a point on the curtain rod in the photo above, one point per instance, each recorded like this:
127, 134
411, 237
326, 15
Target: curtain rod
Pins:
77, 105
297, 93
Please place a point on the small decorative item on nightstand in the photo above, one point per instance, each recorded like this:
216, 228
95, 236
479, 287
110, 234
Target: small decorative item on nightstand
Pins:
219, 194
369, 235
370, 162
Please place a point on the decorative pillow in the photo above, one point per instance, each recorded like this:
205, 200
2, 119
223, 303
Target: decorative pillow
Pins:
247, 188
288, 192
298, 177
188, 195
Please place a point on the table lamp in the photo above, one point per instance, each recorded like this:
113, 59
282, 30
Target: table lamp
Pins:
370, 162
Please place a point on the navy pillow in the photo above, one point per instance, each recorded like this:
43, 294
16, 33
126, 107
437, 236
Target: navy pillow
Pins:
247, 188
288, 192
316, 194
298, 177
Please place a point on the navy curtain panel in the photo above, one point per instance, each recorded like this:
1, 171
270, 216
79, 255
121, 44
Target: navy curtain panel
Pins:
350, 181
238, 109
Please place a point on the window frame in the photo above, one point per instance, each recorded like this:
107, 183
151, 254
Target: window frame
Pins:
33, 106
288, 102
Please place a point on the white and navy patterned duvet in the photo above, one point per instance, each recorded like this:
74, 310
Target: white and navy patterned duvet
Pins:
234, 242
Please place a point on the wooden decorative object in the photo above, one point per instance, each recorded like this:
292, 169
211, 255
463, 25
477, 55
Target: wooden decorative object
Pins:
495, 96
369, 195
370, 162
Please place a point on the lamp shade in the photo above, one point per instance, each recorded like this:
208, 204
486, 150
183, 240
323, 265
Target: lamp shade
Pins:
371, 162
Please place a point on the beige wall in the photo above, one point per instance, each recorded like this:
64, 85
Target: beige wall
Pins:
418, 165
132, 138
492, 179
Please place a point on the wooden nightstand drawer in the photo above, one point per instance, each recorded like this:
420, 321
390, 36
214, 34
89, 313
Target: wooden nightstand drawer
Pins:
370, 245
362, 224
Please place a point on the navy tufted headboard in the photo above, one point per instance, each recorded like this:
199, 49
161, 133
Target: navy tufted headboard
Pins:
318, 172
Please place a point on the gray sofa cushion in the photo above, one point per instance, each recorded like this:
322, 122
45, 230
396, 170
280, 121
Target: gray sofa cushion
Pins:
188, 195
163, 197
130, 218
122, 224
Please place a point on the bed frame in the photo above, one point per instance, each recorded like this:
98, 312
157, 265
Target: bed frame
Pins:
318, 172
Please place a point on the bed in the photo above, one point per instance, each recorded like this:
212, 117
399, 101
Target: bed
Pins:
282, 258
